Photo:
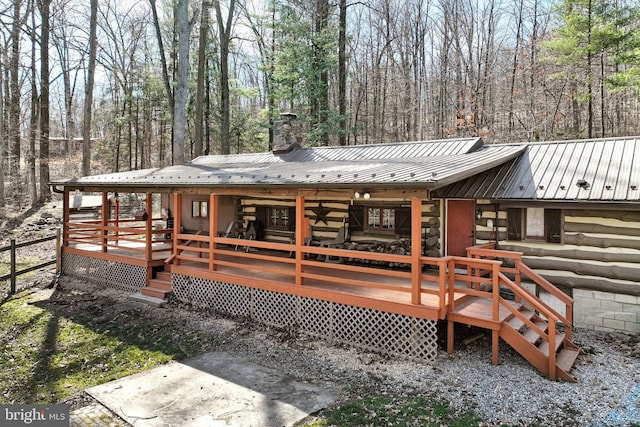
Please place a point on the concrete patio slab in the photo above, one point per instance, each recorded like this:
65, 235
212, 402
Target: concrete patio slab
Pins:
214, 389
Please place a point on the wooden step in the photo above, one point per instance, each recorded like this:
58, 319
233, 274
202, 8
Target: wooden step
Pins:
164, 276
531, 335
154, 292
544, 347
160, 284
517, 323
566, 358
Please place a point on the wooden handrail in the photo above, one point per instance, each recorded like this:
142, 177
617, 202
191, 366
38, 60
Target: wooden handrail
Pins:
179, 248
537, 304
567, 319
520, 269
542, 308
544, 283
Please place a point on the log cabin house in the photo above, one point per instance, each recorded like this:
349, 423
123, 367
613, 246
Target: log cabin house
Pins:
372, 245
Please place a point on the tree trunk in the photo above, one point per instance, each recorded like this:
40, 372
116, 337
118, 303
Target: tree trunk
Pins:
2, 139
320, 101
514, 68
33, 121
183, 30
45, 191
88, 91
163, 59
202, 62
342, 73
14, 103
225, 40
589, 75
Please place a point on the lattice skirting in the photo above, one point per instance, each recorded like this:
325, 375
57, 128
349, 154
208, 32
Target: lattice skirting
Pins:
124, 277
386, 333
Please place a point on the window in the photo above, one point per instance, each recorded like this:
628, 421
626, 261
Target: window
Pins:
199, 209
279, 218
276, 217
384, 219
381, 219
535, 224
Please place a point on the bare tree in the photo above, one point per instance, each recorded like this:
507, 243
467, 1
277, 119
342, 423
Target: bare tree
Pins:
45, 8
200, 80
88, 91
224, 29
183, 32
14, 98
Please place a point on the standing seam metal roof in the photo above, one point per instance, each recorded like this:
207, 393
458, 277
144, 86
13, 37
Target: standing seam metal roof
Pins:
417, 164
610, 167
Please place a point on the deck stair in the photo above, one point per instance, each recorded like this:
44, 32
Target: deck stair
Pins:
518, 316
523, 332
527, 341
159, 286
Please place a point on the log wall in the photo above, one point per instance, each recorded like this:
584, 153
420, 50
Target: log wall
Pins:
598, 262
338, 214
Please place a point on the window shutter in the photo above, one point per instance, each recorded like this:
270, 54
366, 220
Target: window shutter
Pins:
514, 224
262, 218
292, 219
356, 218
403, 221
553, 225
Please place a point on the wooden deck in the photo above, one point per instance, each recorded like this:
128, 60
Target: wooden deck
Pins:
459, 289
337, 282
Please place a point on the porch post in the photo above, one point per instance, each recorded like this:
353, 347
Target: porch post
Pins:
177, 220
416, 250
149, 226
65, 218
104, 212
299, 239
214, 202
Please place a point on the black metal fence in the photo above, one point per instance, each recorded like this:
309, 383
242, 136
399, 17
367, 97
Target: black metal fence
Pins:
13, 248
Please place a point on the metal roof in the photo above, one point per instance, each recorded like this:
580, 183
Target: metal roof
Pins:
426, 164
392, 150
605, 169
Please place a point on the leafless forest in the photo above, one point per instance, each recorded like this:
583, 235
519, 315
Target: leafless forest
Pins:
92, 86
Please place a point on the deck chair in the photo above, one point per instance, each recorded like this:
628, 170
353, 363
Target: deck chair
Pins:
341, 238
229, 231
307, 240
252, 233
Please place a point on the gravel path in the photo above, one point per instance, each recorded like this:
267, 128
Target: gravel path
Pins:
514, 393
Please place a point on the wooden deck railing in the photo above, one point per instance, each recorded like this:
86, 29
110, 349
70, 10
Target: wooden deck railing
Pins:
309, 263
473, 277
123, 236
